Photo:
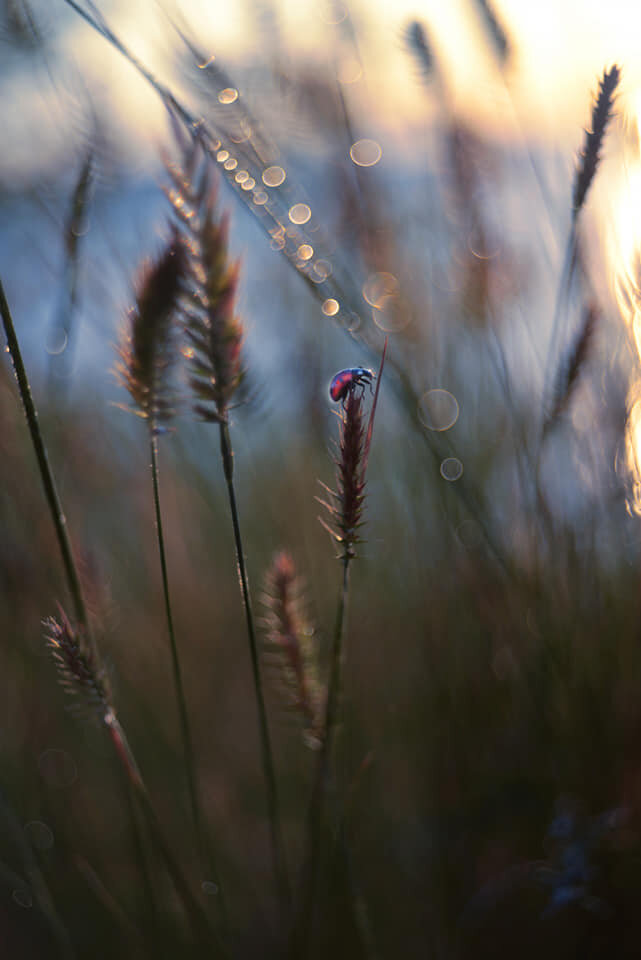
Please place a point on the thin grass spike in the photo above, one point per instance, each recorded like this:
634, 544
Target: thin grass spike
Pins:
416, 41
79, 670
591, 152
289, 637
214, 335
147, 348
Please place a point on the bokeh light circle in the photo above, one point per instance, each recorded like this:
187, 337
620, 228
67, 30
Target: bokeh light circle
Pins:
438, 409
378, 288
330, 307
23, 897
451, 469
228, 95
299, 213
274, 176
39, 835
365, 153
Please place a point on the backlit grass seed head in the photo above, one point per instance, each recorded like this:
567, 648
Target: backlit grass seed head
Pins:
214, 331
590, 154
346, 503
78, 671
147, 348
290, 639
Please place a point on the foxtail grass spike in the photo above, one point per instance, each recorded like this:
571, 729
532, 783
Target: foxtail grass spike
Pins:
498, 35
345, 504
214, 336
590, 154
147, 348
289, 637
147, 354
214, 331
79, 670
416, 40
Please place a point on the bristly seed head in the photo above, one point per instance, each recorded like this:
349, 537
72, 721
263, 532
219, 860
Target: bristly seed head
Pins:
147, 349
590, 154
78, 670
347, 501
214, 331
289, 638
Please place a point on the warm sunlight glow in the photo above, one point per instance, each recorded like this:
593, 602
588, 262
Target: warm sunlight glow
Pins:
625, 252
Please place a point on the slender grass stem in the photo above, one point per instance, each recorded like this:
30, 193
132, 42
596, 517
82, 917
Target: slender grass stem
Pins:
126, 757
569, 263
46, 474
205, 853
302, 937
278, 849
140, 847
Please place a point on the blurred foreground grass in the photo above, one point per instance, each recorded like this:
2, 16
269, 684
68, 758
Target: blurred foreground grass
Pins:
492, 720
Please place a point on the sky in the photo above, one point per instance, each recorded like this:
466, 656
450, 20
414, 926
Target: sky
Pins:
560, 48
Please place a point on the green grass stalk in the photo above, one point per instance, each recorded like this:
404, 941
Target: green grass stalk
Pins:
204, 847
46, 473
276, 836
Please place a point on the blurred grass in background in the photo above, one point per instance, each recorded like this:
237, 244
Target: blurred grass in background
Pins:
492, 719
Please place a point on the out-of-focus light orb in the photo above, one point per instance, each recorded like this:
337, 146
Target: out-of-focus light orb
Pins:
438, 409
277, 243
241, 176
330, 307
22, 896
378, 288
451, 469
365, 153
230, 164
350, 70
299, 213
321, 270
39, 835
242, 135
222, 155
305, 251
188, 353
274, 176
393, 318
260, 197
479, 248
228, 95
56, 342
248, 184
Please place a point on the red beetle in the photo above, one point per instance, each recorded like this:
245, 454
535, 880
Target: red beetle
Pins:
347, 380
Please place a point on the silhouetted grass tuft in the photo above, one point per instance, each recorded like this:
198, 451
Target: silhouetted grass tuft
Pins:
148, 345
80, 672
290, 638
590, 154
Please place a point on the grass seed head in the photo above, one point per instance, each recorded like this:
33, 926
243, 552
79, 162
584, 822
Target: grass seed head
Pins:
591, 152
290, 638
147, 349
346, 503
78, 670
